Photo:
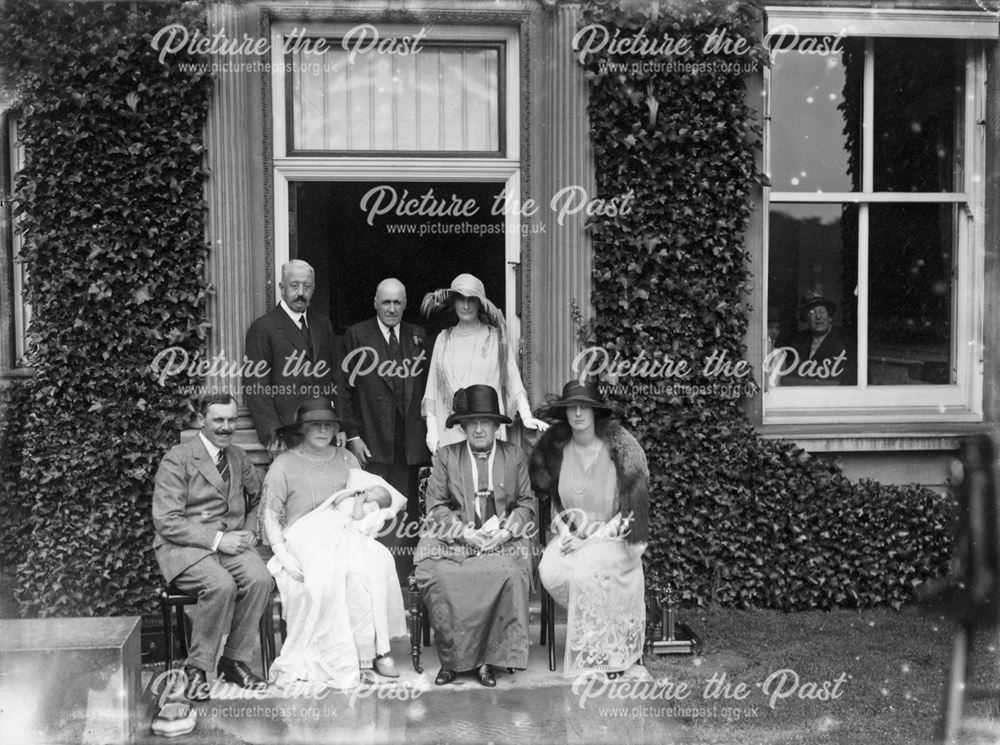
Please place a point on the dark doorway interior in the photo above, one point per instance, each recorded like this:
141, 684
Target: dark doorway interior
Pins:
330, 230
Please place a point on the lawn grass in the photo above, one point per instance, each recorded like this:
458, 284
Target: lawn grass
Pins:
894, 668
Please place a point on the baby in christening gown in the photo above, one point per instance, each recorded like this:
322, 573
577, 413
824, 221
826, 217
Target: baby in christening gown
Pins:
367, 516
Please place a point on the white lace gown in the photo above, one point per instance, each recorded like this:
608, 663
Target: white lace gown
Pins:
601, 583
349, 605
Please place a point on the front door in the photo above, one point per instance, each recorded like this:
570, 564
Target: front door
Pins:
356, 233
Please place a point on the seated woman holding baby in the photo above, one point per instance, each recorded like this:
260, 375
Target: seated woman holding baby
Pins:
341, 597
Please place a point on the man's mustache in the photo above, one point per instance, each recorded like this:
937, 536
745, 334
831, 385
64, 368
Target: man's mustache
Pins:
223, 431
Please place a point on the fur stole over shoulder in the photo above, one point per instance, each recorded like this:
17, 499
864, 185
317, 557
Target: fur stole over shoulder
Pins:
630, 469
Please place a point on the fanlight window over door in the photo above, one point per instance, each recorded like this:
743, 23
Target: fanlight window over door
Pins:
445, 98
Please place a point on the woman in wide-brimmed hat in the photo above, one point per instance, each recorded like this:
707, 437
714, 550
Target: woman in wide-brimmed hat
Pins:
476, 350
339, 589
473, 561
594, 475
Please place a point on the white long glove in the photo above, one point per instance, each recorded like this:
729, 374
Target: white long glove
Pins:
432, 433
288, 561
529, 421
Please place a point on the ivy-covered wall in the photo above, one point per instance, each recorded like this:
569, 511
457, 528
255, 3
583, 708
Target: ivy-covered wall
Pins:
736, 520
111, 206
110, 203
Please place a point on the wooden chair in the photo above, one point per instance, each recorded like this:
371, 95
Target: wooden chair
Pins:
417, 619
172, 602
547, 636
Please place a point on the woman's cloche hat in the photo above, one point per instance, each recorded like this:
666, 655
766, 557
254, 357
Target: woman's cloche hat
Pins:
466, 285
575, 393
476, 402
316, 409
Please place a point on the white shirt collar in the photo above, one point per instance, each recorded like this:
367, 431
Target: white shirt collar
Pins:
385, 330
213, 450
291, 313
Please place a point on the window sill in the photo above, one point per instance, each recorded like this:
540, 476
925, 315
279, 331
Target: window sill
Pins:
15, 374
872, 437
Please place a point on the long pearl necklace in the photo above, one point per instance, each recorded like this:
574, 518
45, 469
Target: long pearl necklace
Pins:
317, 461
582, 465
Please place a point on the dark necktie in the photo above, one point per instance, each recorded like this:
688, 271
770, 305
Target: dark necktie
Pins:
306, 334
222, 463
396, 354
485, 503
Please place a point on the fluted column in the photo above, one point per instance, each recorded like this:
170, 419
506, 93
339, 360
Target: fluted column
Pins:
562, 265
235, 227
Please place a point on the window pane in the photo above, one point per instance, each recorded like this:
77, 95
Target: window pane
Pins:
816, 118
919, 94
443, 99
812, 303
911, 274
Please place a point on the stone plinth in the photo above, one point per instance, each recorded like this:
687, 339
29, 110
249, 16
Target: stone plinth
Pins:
69, 680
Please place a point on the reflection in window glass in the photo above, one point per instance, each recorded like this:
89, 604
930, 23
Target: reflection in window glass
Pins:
812, 303
911, 254
816, 141
918, 99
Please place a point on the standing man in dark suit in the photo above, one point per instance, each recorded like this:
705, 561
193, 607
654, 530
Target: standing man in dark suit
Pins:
384, 373
290, 353
204, 512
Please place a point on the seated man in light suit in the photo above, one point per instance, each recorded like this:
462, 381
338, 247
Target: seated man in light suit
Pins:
204, 513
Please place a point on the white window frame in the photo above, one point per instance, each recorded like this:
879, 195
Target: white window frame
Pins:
962, 400
505, 171
22, 309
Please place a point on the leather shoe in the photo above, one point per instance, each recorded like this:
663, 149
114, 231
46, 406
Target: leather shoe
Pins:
385, 667
444, 677
485, 676
197, 684
237, 672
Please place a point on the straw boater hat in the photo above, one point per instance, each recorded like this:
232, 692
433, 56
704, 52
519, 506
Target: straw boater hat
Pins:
476, 402
317, 409
575, 393
466, 285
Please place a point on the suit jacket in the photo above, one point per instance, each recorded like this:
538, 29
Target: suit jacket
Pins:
372, 403
277, 341
451, 491
191, 503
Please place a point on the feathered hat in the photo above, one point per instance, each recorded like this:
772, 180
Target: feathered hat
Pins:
466, 285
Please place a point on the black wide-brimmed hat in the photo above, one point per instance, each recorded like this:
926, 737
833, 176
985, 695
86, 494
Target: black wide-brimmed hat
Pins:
575, 393
316, 409
476, 402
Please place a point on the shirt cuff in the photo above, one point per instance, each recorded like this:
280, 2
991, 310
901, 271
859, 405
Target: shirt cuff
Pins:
352, 439
217, 541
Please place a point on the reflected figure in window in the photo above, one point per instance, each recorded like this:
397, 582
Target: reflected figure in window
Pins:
823, 355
